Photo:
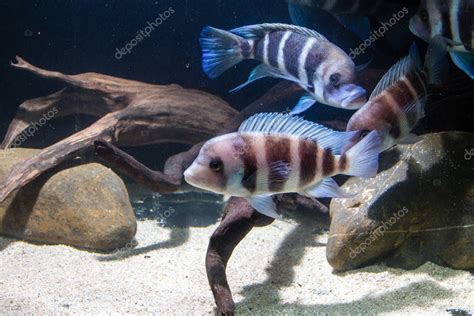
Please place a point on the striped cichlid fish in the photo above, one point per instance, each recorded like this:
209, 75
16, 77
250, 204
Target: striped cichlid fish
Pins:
291, 52
454, 21
397, 102
279, 153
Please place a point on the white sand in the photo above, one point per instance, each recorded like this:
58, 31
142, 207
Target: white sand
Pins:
279, 268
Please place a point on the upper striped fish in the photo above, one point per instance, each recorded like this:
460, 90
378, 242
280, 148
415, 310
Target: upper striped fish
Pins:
279, 153
454, 21
397, 103
291, 52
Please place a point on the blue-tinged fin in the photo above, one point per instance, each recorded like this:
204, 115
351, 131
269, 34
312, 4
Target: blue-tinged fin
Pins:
220, 50
363, 158
279, 171
305, 102
464, 61
436, 64
288, 125
359, 25
263, 71
264, 204
404, 66
259, 30
326, 188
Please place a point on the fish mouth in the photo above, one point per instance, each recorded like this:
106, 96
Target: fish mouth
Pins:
190, 179
355, 100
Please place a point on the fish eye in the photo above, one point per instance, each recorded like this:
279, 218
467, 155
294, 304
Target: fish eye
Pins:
335, 79
424, 16
216, 164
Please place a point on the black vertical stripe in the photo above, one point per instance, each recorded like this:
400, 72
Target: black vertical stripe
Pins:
343, 162
277, 149
315, 56
391, 117
292, 51
443, 9
308, 154
419, 82
259, 46
273, 44
246, 49
328, 162
249, 158
465, 22
401, 93
412, 117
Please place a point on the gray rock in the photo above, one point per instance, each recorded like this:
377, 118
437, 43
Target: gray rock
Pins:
420, 207
85, 206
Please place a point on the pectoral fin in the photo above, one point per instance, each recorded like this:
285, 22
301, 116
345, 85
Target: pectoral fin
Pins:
303, 104
263, 71
327, 188
264, 204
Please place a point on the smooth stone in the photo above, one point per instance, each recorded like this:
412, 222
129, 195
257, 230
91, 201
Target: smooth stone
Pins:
420, 207
85, 206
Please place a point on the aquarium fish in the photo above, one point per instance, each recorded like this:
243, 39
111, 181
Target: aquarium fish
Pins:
279, 153
397, 102
291, 52
453, 20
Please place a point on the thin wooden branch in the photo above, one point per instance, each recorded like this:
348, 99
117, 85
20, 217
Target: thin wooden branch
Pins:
126, 164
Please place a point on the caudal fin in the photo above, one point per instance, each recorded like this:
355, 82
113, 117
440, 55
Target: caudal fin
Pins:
220, 50
363, 158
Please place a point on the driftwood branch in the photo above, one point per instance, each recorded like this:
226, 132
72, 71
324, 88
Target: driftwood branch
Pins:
136, 114
238, 220
126, 164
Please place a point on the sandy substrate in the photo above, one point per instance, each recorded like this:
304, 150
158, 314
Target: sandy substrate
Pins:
280, 269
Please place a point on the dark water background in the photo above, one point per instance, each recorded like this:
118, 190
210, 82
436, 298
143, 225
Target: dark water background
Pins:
77, 36
83, 35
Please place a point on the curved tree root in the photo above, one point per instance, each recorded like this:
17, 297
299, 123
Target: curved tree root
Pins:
238, 220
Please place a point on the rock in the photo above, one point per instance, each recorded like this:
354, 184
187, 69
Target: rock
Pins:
420, 207
85, 206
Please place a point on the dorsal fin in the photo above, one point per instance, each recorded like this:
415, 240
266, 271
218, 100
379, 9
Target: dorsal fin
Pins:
404, 66
259, 30
288, 125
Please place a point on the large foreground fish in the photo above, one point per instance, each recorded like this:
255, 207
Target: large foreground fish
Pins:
454, 21
291, 52
279, 153
397, 102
